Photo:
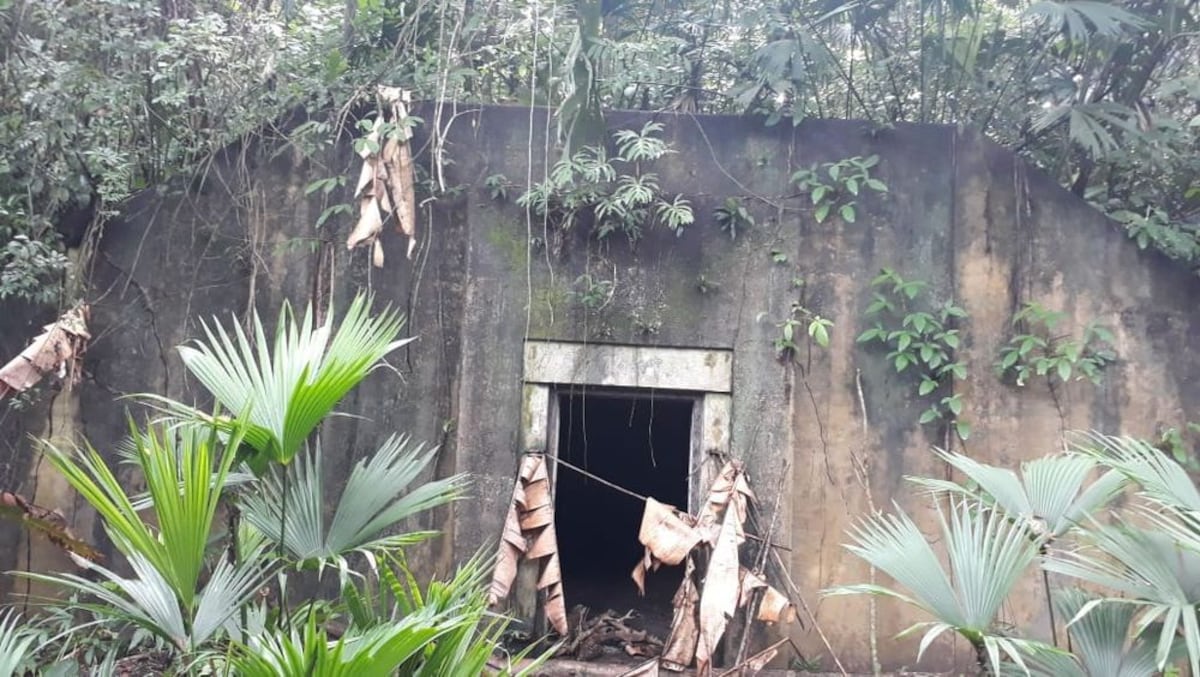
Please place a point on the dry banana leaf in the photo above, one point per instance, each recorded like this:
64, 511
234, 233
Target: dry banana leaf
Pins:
57, 350
529, 534
668, 537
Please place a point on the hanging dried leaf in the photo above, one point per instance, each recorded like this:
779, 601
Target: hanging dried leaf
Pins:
52, 523
750, 582
397, 160
680, 648
775, 607
58, 350
728, 488
529, 534
719, 597
668, 538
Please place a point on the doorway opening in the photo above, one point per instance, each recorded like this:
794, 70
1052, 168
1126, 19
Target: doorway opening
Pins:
641, 442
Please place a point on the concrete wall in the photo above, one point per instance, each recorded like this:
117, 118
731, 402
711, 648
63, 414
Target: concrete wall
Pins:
961, 213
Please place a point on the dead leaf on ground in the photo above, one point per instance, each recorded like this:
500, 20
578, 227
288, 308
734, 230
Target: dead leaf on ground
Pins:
529, 534
52, 523
58, 349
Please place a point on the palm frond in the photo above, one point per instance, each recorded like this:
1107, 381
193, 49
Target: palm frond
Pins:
184, 470
987, 553
16, 644
282, 389
1156, 575
1079, 20
376, 498
1102, 636
1160, 477
1049, 495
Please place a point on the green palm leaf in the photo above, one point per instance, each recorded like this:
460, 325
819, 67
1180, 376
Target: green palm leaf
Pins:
376, 498
16, 645
1161, 479
1152, 570
377, 652
282, 389
1049, 495
987, 554
1102, 636
184, 470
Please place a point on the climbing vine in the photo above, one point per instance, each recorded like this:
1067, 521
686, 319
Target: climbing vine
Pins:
1038, 350
920, 340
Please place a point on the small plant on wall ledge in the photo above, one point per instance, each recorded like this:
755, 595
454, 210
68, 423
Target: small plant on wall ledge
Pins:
921, 341
1037, 350
610, 195
834, 187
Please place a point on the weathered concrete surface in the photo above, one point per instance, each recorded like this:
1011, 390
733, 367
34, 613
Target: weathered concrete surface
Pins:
961, 214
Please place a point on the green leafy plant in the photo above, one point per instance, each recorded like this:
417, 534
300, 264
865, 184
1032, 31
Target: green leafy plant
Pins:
497, 186
987, 554
588, 188
173, 592
1142, 568
1173, 441
801, 322
921, 339
1036, 349
733, 217
834, 187
281, 390
377, 496
16, 645
591, 292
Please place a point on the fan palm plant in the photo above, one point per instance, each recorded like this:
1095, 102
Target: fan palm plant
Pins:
1102, 637
1158, 575
467, 649
1049, 496
1160, 478
375, 499
281, 390
184, 470
987, 554
16, 645
444, 630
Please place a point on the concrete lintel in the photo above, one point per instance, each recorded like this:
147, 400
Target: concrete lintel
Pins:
688, 369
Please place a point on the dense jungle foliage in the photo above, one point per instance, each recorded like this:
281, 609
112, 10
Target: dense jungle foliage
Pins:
101, 99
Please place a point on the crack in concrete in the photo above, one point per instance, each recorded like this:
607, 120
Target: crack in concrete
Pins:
149, 304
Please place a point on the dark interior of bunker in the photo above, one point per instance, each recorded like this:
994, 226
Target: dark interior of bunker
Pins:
641, 442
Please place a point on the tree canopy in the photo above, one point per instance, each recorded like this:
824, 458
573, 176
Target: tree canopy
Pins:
104, 98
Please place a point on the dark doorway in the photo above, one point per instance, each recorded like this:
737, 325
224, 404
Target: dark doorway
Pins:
639, 442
